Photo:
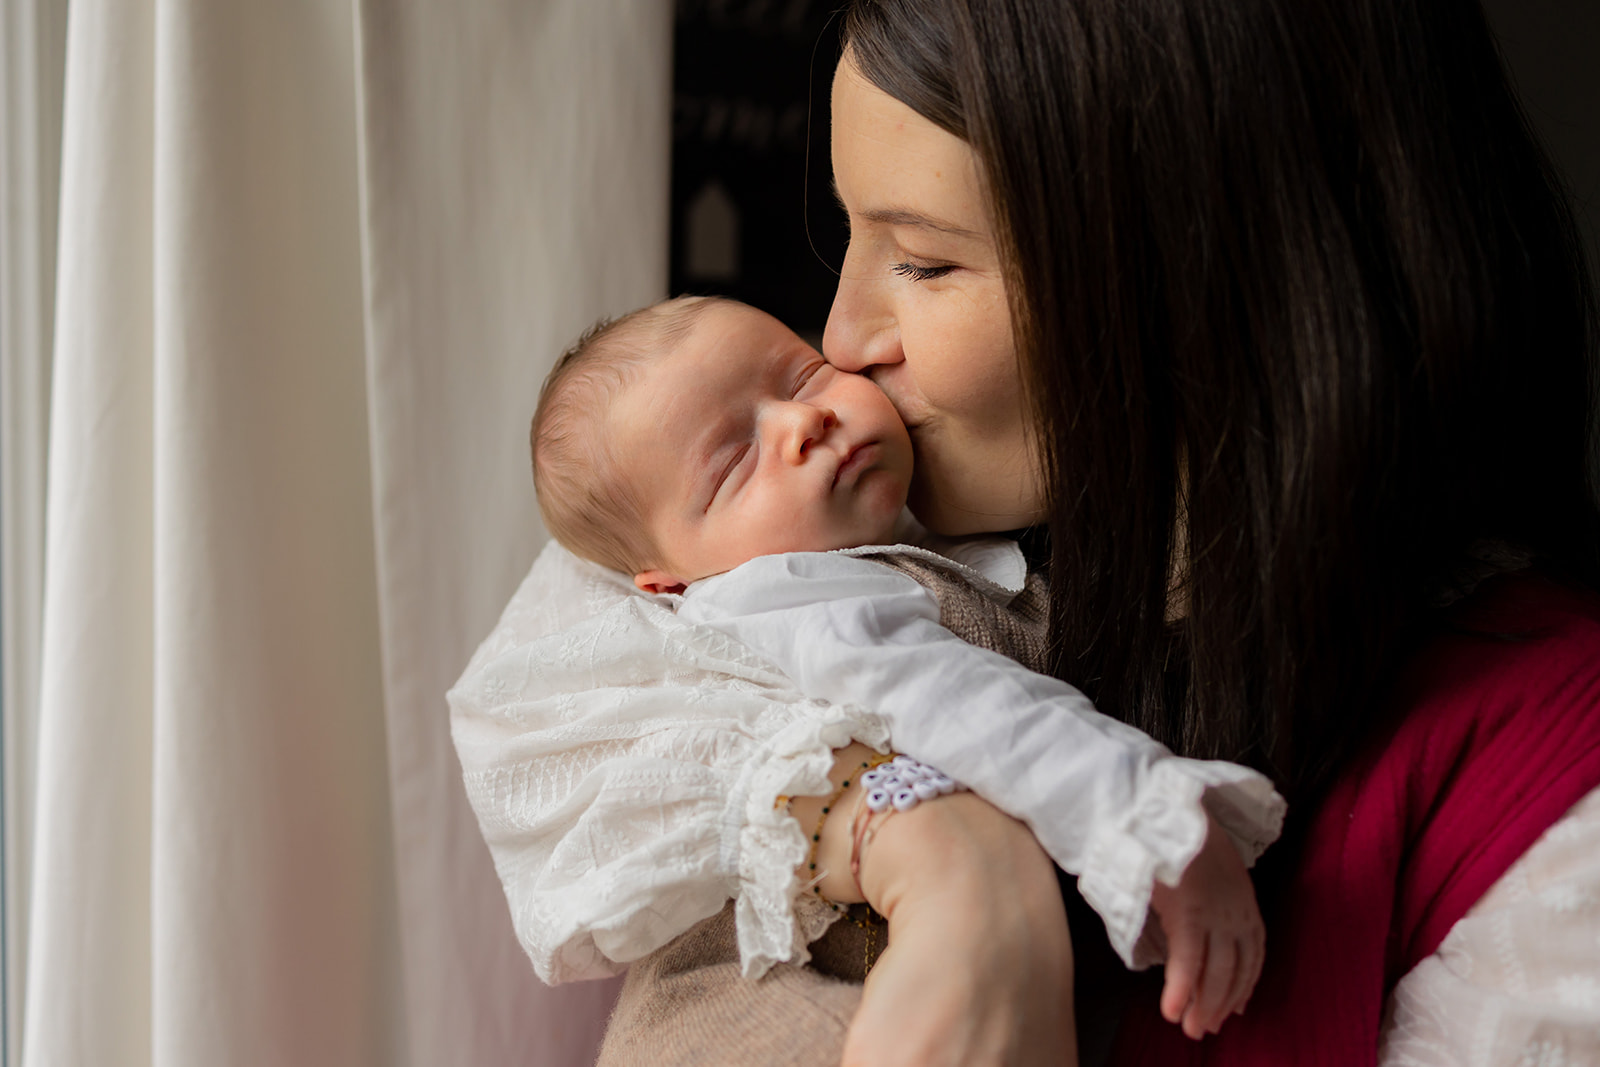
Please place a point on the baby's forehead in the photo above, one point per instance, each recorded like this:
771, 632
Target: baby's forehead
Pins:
727, 333
709, 364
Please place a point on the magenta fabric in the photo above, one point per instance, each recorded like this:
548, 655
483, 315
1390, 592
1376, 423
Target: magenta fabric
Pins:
1499, 737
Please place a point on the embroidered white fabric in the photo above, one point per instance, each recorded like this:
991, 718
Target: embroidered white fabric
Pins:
1516, 982
1107, 802
625, 767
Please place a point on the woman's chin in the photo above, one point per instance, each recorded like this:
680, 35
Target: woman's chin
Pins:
940, 516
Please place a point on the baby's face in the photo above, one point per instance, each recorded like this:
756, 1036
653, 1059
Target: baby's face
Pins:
743, 442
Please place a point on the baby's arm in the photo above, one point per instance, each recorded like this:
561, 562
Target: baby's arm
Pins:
1104, 800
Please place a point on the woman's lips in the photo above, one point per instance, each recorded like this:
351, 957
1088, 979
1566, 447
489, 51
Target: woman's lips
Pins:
859, 459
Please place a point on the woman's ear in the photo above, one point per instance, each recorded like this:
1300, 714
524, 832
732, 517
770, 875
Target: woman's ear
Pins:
659, 582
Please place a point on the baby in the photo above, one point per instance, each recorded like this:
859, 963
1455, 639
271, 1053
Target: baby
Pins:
704, 448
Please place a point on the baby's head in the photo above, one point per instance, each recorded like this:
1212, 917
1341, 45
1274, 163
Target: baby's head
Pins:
686, 438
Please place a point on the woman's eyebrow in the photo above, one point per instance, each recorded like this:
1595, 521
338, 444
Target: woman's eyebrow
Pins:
905, 217
902, 217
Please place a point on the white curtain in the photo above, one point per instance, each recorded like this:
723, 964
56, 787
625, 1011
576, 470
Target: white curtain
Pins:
314, 257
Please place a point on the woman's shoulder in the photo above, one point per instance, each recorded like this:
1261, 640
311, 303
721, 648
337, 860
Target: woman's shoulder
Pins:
1530, 599
1496, 734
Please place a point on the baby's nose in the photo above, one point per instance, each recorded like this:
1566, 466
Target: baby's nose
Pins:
811, 424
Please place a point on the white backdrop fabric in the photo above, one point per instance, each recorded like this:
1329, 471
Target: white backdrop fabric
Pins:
314, 260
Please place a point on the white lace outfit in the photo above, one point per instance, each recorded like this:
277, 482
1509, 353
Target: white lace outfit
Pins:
1516, 982
624, 766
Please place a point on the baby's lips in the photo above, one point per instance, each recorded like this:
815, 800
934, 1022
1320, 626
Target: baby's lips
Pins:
854, 459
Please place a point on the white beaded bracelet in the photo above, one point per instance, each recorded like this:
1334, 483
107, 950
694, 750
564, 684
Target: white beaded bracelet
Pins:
899, 784
903, 783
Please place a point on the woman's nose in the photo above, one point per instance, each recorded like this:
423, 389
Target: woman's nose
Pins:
860, 333
803, 425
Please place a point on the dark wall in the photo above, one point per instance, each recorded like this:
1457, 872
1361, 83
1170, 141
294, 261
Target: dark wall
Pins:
753, 214
1553, 50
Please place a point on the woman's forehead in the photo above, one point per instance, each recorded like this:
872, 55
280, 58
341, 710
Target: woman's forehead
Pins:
894, 167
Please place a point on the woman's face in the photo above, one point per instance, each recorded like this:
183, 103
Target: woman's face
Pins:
921, 307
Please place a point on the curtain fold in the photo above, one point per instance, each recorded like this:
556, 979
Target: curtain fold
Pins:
32, 54
314, 259
89, 928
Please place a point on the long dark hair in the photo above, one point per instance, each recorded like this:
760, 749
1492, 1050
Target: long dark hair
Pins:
1293, 278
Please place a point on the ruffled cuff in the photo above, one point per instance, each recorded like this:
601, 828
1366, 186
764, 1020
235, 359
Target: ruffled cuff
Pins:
1162, 832
775, 920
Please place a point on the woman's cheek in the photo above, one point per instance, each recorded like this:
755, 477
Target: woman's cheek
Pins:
958, 346
973, 392
944, 480
975, 471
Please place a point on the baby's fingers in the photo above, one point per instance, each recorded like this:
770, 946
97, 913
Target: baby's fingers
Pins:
1186, 957
1243, 982
1252, 955
1213, 997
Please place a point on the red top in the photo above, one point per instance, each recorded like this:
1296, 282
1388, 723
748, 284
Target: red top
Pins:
1500, 737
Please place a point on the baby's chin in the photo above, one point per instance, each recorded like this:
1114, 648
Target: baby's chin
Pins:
888, 532
888, 504
860, 535
885, 525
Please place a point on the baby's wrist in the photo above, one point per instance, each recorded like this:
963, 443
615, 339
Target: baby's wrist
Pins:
826, 821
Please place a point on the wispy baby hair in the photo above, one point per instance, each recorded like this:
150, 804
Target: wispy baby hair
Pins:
587, 501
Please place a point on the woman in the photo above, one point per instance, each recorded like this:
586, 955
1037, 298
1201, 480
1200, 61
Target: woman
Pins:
1304, 333
1273, 317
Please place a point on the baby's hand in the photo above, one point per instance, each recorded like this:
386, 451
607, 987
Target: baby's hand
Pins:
1215, 937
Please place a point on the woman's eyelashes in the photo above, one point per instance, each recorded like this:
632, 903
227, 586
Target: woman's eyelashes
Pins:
919, 273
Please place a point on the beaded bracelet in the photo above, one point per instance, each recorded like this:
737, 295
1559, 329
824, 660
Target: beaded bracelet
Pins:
900, 786
904, 783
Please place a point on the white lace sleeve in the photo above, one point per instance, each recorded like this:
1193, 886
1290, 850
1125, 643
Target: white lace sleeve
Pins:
1516, 983
625, 768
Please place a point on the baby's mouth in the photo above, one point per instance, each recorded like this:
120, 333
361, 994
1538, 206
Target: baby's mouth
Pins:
855, 461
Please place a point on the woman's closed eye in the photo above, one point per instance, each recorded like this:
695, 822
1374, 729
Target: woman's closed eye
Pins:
918, 273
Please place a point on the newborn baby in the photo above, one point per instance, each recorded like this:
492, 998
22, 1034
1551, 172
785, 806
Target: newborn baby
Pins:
704, 448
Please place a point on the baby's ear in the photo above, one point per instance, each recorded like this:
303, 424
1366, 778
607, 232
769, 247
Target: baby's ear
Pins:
659, 582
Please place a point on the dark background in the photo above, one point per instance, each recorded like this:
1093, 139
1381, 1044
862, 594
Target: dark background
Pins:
1553, 50
744, 87
748, 73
